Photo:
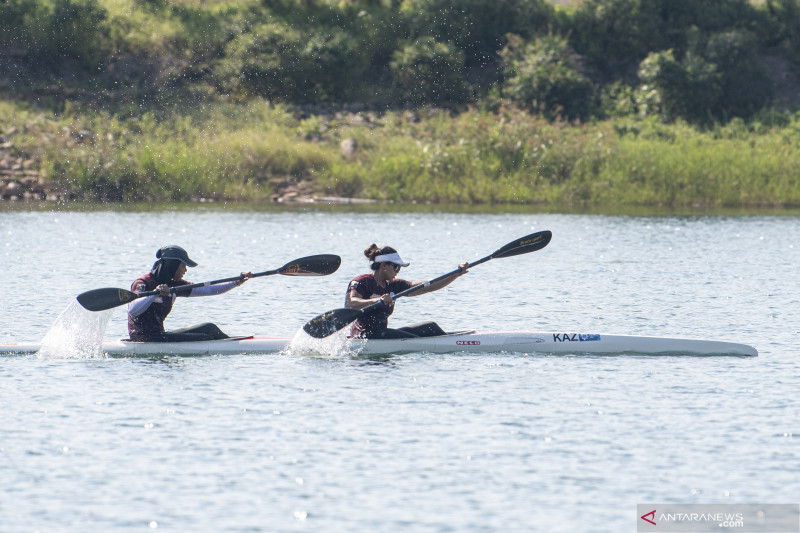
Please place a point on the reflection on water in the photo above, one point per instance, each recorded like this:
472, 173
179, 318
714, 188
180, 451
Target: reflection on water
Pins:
412, 442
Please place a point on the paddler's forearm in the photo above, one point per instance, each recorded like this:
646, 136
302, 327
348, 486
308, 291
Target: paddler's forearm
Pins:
438, 285
212, 290
361, 303
137, 307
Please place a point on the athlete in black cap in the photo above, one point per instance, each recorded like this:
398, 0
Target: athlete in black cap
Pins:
146, 315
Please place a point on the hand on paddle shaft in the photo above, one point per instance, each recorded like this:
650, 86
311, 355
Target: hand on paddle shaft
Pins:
429, 286
329, 323
314, 265
165, 290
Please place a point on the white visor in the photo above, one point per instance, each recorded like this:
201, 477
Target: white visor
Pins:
391, 258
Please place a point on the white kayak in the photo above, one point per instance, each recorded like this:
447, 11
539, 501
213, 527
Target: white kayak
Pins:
530, 342
554, 343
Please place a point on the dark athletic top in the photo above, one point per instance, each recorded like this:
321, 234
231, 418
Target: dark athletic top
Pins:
366, 287
150, 324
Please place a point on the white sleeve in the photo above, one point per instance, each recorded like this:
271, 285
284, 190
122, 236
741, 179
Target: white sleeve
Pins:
211, 290
139, 306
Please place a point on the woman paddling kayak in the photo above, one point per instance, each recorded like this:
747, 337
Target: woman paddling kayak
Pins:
146, 315
368, 289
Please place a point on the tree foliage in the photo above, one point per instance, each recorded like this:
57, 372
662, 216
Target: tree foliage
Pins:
283, 63
50, 31
430, 72
477, 27
718, 77
545, 76
699, 60
615, 35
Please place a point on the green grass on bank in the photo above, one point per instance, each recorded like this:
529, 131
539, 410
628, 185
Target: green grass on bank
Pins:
169, 101
515, 158
246, 152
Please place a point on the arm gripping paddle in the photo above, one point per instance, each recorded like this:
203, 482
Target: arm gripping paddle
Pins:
329, 323
107, 298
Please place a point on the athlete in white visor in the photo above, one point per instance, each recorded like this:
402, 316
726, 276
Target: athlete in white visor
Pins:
379, 286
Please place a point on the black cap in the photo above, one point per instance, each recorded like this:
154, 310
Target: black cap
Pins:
175, 252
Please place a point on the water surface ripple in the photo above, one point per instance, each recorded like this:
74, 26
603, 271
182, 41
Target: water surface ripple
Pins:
416, 442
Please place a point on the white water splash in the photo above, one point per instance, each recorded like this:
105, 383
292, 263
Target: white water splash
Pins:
76, 334
335, 345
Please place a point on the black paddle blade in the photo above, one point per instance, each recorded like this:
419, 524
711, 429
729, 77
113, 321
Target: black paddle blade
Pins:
102, 299
529, 243
329, 323
314, 265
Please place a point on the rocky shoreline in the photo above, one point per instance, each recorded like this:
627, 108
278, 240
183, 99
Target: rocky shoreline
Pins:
19, 183
20, 178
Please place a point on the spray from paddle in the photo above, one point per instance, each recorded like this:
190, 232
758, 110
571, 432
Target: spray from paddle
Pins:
333, 346
76, 334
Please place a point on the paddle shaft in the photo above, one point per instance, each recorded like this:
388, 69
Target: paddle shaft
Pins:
532, 242
106, 298
182, 288
421, 286
328, 323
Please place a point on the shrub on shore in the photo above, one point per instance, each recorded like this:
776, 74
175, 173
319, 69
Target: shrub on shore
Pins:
609, 101
510, 156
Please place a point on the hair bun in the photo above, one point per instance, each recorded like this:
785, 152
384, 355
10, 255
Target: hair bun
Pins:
371, 251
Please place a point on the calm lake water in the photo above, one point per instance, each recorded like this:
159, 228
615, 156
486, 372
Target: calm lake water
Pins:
417, 442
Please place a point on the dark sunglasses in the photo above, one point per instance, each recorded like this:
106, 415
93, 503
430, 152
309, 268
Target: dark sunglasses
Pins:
396, 267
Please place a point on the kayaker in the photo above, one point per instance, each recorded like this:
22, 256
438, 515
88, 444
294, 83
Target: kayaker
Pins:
146, 315
379, 286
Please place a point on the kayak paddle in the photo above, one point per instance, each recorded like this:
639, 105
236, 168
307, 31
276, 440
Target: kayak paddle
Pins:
329, 323
315, 265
